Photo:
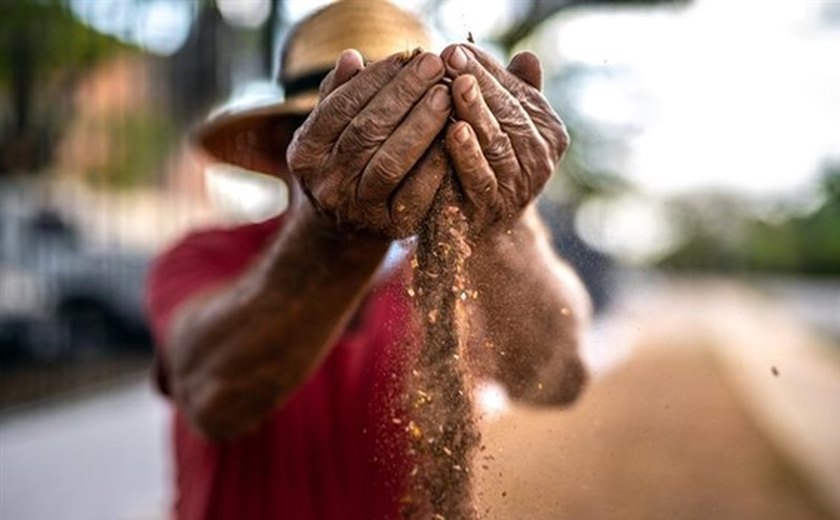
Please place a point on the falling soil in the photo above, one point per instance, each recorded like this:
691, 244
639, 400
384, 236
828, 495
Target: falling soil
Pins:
441, 422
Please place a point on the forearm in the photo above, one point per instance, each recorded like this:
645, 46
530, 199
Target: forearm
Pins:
532, 310
240, 351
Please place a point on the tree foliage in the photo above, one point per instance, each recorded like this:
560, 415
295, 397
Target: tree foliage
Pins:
43, 50
723, 236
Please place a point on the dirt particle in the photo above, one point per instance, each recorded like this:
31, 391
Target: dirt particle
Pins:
415, 431
441, 486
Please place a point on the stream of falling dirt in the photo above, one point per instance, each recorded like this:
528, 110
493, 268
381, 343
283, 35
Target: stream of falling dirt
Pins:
441, 420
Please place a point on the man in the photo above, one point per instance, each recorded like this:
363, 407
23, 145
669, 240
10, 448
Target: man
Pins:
282, 343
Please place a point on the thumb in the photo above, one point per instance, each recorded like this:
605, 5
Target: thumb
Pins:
348, 64
526, 66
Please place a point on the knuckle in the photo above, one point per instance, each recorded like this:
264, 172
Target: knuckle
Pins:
562, 139
556, 136
544, 160
293, 157
424, 126
539, 168
498, 148
553, 130
505, 103
327, 198
343, 106
530, 184
467, 159
387, 67
515, 121
387, 168
343, 103
483, 185
363, 132
406, 90
298, 157
487, 184
474, 158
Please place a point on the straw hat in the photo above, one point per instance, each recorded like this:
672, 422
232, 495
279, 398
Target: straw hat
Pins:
256, 137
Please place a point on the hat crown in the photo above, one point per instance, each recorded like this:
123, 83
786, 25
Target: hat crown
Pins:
251, 137
376, 28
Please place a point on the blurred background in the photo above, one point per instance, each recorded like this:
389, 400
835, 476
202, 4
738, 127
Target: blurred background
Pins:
700, 201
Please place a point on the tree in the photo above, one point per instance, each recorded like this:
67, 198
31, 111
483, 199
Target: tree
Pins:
43, 50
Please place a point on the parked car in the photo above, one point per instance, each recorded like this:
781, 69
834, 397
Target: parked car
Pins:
60, 296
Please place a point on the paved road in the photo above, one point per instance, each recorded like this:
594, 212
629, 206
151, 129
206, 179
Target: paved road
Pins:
104, 456
100, 457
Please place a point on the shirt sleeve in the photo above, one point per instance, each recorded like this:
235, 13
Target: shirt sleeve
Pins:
197, 263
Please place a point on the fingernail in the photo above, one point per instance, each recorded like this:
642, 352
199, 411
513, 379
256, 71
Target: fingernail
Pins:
458, 58
470, 92
462, 134
429, 66
440, 99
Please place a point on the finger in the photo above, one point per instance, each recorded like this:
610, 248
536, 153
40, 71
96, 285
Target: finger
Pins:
457, 63
532, 150
348, 64
474, 173
331, 116
413, 198
473, 60
526, 66
370, 127
504, 105
404, 147
495, 144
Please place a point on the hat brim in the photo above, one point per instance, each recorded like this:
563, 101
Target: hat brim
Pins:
254, 137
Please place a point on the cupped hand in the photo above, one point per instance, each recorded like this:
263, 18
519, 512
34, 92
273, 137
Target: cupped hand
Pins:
367, 156
507, 140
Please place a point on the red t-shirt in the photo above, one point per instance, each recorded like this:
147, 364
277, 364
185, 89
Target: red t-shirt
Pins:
332, 450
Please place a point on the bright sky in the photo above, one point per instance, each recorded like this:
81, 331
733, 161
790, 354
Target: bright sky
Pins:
739, 94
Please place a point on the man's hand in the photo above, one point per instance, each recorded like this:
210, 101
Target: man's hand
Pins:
508, 139
366, 155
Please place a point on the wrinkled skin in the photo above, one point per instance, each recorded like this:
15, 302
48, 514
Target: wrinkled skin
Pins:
369, 156
508, 139
363, 156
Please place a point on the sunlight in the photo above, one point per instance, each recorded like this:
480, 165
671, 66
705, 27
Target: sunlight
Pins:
491, 400
244, 13
741, 94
